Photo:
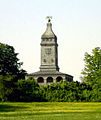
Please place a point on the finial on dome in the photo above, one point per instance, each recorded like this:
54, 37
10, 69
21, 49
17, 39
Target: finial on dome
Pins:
49, 18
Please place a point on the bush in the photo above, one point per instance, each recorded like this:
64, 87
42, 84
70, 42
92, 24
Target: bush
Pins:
7, 85
67, 92
27, 91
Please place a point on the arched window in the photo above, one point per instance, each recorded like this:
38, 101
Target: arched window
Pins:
40, 80
49, 79
59, 78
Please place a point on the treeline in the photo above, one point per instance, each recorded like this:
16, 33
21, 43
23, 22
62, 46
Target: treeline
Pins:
29, 91
13, 86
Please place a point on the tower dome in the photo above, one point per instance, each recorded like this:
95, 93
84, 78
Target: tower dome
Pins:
49, 32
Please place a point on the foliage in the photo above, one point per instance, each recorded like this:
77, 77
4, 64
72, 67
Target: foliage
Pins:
14, 89
9, 63
6, 86
92, 73
27, 91
67, 92
92, 70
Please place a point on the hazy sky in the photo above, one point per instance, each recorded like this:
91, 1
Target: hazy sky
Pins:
76, 23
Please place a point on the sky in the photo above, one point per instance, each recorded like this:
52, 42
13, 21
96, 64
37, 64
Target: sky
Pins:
76, 23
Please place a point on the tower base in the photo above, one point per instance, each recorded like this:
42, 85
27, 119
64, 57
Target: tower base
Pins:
49, 77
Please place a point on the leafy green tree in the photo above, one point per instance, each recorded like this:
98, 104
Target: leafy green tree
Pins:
92, 70
27, 91
9, 63
67, 92
10, 71
6, 86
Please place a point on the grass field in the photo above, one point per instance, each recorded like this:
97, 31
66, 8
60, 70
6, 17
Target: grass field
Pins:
50, 111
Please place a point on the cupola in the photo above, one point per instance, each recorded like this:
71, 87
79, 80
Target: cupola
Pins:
49, 34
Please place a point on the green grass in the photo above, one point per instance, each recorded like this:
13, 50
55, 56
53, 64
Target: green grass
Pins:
50, 111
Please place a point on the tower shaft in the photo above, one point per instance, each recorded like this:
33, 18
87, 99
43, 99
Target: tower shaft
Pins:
49, 50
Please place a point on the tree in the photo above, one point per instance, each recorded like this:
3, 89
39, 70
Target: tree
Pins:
67, 92
6, 86
9, 63
27, 91
92, 70
10, 70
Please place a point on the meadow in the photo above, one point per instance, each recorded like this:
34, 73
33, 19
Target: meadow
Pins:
50, 111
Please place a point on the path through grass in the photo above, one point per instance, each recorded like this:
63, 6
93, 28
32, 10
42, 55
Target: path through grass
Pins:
50, 111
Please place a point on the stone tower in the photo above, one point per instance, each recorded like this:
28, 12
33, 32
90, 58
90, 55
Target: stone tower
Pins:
49, 50
49, 70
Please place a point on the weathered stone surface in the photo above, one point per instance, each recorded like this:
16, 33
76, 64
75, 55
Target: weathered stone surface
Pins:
48, 33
